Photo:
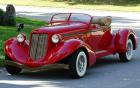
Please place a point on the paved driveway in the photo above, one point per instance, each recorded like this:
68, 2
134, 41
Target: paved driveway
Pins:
108, 72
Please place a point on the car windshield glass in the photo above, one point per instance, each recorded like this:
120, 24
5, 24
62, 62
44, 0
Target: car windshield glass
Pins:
80, 17
67, 17
60, 17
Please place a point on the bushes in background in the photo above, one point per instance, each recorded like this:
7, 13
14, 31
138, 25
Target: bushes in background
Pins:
8, 18
2, 17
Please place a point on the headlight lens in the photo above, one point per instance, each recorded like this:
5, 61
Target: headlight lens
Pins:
55, 38
21, 38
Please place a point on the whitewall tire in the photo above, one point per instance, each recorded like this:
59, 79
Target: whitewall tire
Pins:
78, 64
127, 56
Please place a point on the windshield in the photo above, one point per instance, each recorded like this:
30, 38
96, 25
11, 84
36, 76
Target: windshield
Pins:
80, 17
70, 17
60, 17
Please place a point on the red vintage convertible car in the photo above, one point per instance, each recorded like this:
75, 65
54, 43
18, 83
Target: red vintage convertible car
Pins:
75, 39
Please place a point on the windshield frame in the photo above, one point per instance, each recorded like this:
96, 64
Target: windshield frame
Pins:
68, 20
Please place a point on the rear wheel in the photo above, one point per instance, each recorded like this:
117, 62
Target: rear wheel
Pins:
12, 69
127, 56
78, 64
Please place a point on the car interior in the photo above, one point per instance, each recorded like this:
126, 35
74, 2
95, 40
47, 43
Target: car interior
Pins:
102, 23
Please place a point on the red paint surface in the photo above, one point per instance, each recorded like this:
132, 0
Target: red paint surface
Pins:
74, 35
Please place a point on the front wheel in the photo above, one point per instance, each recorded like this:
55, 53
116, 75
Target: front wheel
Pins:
12, 69
127, 56
78, 64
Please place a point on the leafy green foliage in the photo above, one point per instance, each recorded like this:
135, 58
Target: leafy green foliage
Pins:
6, 20
9, 20
1, 16
107, 2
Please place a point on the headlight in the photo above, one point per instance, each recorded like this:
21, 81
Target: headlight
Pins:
55, 38
21, 38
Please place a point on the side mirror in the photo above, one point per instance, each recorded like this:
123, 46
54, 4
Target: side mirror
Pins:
20, 27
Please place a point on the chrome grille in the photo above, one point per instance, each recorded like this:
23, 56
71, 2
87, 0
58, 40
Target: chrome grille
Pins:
38, 46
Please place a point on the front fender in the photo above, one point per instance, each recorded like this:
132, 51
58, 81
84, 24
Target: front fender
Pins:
16, 51
68, 47
121, 39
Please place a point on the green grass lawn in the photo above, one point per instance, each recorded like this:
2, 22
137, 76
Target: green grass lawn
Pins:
8, 32
109, 5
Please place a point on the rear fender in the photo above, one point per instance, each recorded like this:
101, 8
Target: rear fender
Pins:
67, 48
121, 39
16, 51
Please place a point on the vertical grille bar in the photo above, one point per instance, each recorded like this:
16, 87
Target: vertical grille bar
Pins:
38, 46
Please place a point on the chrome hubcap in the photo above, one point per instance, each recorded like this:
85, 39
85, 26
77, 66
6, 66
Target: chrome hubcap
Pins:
81, 64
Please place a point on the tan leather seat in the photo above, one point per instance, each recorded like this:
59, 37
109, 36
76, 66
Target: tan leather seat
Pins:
102, 21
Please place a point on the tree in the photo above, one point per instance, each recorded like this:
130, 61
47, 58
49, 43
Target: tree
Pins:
10, 16
1, 16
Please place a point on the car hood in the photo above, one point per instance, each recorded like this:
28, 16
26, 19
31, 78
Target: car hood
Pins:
61, 28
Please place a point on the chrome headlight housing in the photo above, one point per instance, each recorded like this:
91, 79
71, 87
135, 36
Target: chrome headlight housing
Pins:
21, 38
55, 38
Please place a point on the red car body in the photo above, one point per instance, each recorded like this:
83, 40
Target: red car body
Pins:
74, 34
